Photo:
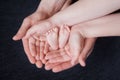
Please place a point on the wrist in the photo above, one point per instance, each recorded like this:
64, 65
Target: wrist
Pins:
82, 29
43, 12
57, 21
50, 7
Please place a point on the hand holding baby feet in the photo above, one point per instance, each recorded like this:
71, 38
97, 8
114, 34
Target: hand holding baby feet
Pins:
58, 60
63, 64
73, 50
74, 46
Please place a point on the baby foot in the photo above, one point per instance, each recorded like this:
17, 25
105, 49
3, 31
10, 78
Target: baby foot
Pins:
52, 38
63, 36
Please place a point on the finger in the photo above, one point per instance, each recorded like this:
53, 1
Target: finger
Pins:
37, 57
62, 66
53, 54
32, 46
23, 29
39, 64
67, 49
88, 47
52, 38
42, 44
62, 58
46, 48
76, 43
38, 50
27, 51
63, 36
67, 3
49, 66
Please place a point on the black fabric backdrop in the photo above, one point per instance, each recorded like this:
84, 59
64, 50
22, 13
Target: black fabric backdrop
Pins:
102, 64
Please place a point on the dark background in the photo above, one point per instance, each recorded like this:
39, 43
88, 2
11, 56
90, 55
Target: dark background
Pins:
102, 64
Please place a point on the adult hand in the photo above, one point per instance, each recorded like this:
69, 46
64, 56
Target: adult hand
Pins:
41, 13
60, 60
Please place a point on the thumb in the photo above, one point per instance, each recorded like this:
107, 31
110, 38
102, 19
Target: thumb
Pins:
88, 47
23, 29
67, 3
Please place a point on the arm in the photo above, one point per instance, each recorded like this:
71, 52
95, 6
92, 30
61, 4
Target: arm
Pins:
50, 7
105, 26
84, 10
45, 10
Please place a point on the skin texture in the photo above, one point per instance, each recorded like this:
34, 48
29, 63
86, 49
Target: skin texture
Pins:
103, 29
52, 38
62, 61
41, 27
84, 10
63, 36
40, 14
75, 46
44, 49
59, 17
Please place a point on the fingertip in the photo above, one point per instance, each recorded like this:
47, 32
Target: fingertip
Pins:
47, 68
15, 38
82, 62
39, 65
32, 61
55, 70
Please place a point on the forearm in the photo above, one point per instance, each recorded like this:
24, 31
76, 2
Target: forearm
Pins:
84, 10
105, 26
50, 7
